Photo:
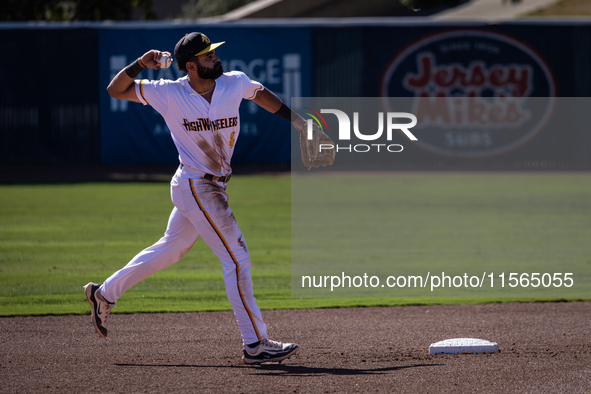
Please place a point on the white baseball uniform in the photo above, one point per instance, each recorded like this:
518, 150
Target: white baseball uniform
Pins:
205, 135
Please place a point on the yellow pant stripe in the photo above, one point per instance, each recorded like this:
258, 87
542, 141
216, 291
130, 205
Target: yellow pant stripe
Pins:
234, 259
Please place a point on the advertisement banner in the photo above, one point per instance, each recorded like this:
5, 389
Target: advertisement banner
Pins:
501, 66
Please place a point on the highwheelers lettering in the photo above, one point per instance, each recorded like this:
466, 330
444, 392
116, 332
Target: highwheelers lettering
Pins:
203, 124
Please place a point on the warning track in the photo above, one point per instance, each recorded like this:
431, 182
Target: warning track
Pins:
544, 347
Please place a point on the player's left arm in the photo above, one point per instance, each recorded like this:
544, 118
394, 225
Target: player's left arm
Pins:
269, 101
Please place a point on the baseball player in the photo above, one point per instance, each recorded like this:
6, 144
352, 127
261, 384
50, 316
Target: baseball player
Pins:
201, 111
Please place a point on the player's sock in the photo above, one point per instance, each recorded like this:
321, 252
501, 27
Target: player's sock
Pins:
253, 345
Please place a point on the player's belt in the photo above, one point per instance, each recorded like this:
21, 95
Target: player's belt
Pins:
224, 179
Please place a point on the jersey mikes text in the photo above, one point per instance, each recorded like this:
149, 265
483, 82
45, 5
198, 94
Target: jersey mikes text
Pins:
202, 124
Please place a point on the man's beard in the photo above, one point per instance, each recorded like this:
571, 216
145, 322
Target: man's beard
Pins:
210, 73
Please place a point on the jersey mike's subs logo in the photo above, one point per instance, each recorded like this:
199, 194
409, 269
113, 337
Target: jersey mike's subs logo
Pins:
475, 94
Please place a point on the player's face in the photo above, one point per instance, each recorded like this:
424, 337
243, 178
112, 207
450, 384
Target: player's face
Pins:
209, 66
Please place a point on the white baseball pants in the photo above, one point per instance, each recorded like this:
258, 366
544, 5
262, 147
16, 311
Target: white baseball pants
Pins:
201, 209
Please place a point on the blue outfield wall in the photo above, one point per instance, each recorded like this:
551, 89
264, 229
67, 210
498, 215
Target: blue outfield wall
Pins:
363, 56
49, 109
63, 114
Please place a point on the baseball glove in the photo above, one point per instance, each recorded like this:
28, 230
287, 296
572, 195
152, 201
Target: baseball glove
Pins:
318, 151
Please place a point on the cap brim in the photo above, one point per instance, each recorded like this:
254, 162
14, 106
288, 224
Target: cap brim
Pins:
210, 48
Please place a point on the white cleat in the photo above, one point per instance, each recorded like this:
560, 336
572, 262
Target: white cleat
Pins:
269, 351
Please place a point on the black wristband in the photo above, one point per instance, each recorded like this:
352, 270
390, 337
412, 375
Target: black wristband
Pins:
284, 112
134, 69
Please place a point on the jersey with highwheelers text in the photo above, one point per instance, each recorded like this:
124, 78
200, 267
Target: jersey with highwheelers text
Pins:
204, 133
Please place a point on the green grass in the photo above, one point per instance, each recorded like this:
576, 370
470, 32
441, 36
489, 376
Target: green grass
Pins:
56, 238
414, 224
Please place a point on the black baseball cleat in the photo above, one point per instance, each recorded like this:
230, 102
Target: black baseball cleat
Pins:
100, 308
268, 352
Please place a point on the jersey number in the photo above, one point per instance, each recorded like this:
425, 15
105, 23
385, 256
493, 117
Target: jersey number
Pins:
232, 139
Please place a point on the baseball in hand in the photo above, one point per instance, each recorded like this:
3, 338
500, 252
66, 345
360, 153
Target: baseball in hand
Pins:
165, 61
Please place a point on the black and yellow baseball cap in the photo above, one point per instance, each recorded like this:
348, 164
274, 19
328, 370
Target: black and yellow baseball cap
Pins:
193, 44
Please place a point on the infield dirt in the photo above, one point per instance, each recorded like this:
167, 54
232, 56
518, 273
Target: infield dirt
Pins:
544, 347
